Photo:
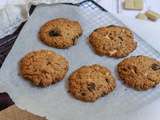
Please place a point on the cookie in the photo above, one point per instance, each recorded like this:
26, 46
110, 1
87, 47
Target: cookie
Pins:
140, 72
60, 33
113, 41
43, 67
89, 83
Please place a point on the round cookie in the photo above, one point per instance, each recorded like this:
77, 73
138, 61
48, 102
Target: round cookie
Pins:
60, 33
89, 83
43, 67
140, 72
114, 41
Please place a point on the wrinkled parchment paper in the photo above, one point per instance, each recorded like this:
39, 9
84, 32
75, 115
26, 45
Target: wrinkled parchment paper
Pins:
54, 101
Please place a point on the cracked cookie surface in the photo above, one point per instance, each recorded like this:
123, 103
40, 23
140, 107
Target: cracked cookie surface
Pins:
114, 41
43, 67
60, 33
140, 72
88, 83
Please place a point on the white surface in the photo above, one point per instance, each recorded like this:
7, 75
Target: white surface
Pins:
150, 31
54, 101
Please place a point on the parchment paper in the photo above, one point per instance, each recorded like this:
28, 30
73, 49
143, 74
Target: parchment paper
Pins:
54, 101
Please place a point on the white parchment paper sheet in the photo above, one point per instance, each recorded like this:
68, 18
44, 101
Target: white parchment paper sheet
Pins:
54, 101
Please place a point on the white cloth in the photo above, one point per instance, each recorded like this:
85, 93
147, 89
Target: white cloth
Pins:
15, 12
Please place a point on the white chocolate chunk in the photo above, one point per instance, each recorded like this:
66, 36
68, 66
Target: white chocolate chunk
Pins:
113, 52
138, 4
134, 4
152, 15
141, 16
129, 4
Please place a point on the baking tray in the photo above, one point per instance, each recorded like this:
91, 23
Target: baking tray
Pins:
54, 101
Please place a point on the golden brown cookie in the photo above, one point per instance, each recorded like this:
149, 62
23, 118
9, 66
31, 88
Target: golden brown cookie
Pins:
140, 72
114, 41
60, 33
89, 83
43, 67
